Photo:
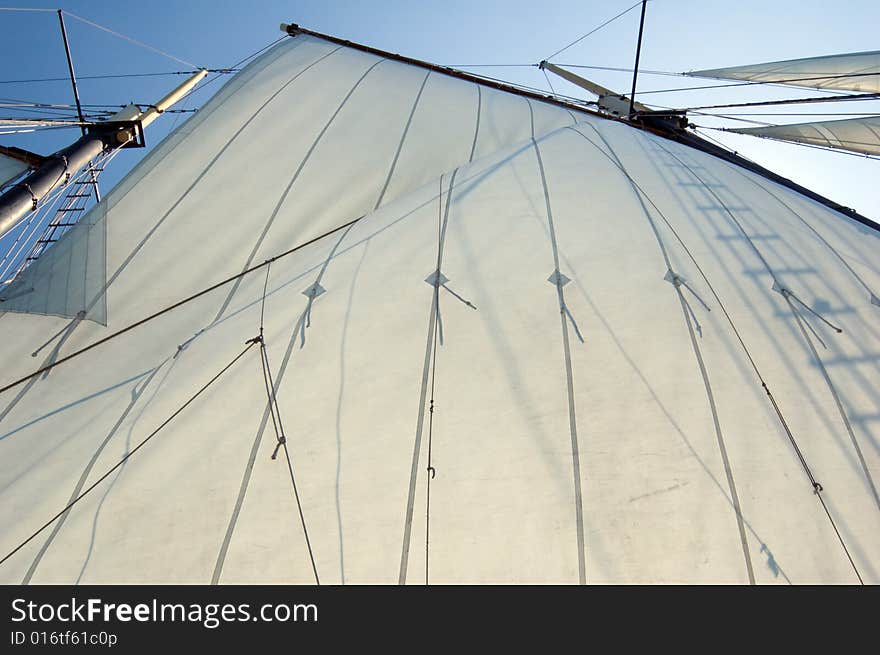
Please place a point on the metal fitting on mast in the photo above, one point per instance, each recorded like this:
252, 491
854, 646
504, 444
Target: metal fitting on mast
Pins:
125, 129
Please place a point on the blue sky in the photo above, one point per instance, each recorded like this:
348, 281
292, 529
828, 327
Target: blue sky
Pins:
680, 35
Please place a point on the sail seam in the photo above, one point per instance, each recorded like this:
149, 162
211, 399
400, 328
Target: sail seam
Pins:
807, 225
569, 376
128, 456
201, 175
871, 484
246, 477
135, 396
290, 185
427, 368
731, 483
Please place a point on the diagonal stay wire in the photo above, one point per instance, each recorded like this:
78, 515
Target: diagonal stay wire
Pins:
222, 71
837, 151
278, 426
129, 454
853, 97
431, 472
113, 77
817, 488
179, 303
131, 40
593, 31
549, 83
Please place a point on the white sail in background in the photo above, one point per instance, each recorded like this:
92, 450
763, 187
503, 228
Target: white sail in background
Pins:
858, 71
10, 168
854, 134
572, 316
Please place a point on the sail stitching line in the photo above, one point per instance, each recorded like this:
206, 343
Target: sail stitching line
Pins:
126, 457
817, 488
412, 112
277, 424
477, 122
872, 296
431, 471
764, 385
135, 396
283, 198
245, 482
48, 363
559, 281
176, 305
201, 175
797, 316
434, 335
728, 471
254, 448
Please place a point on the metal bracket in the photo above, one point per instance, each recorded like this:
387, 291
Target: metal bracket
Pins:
114, 133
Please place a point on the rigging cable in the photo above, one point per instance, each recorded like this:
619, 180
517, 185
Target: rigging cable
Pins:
787, 295
817, 488
593, 31
177, 304
838, 151
234, 67
675, 74
782, 83
116, 76
794, 101
125, 458
430, 470
549, 83
275, 411
131, 40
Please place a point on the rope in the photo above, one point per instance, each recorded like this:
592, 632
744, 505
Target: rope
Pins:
131, 40
793, 101
431, 470
488, 65
782, 83
115, 76
463, 300
838, 151
779, 83
176, 305
593, 31
278, 426
437, 335
543, 92
122, 461
817, 488
788, 295
234, 67
549, 83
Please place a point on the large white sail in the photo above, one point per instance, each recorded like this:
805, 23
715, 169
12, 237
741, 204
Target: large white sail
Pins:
571, 317
860, 135
857, 71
